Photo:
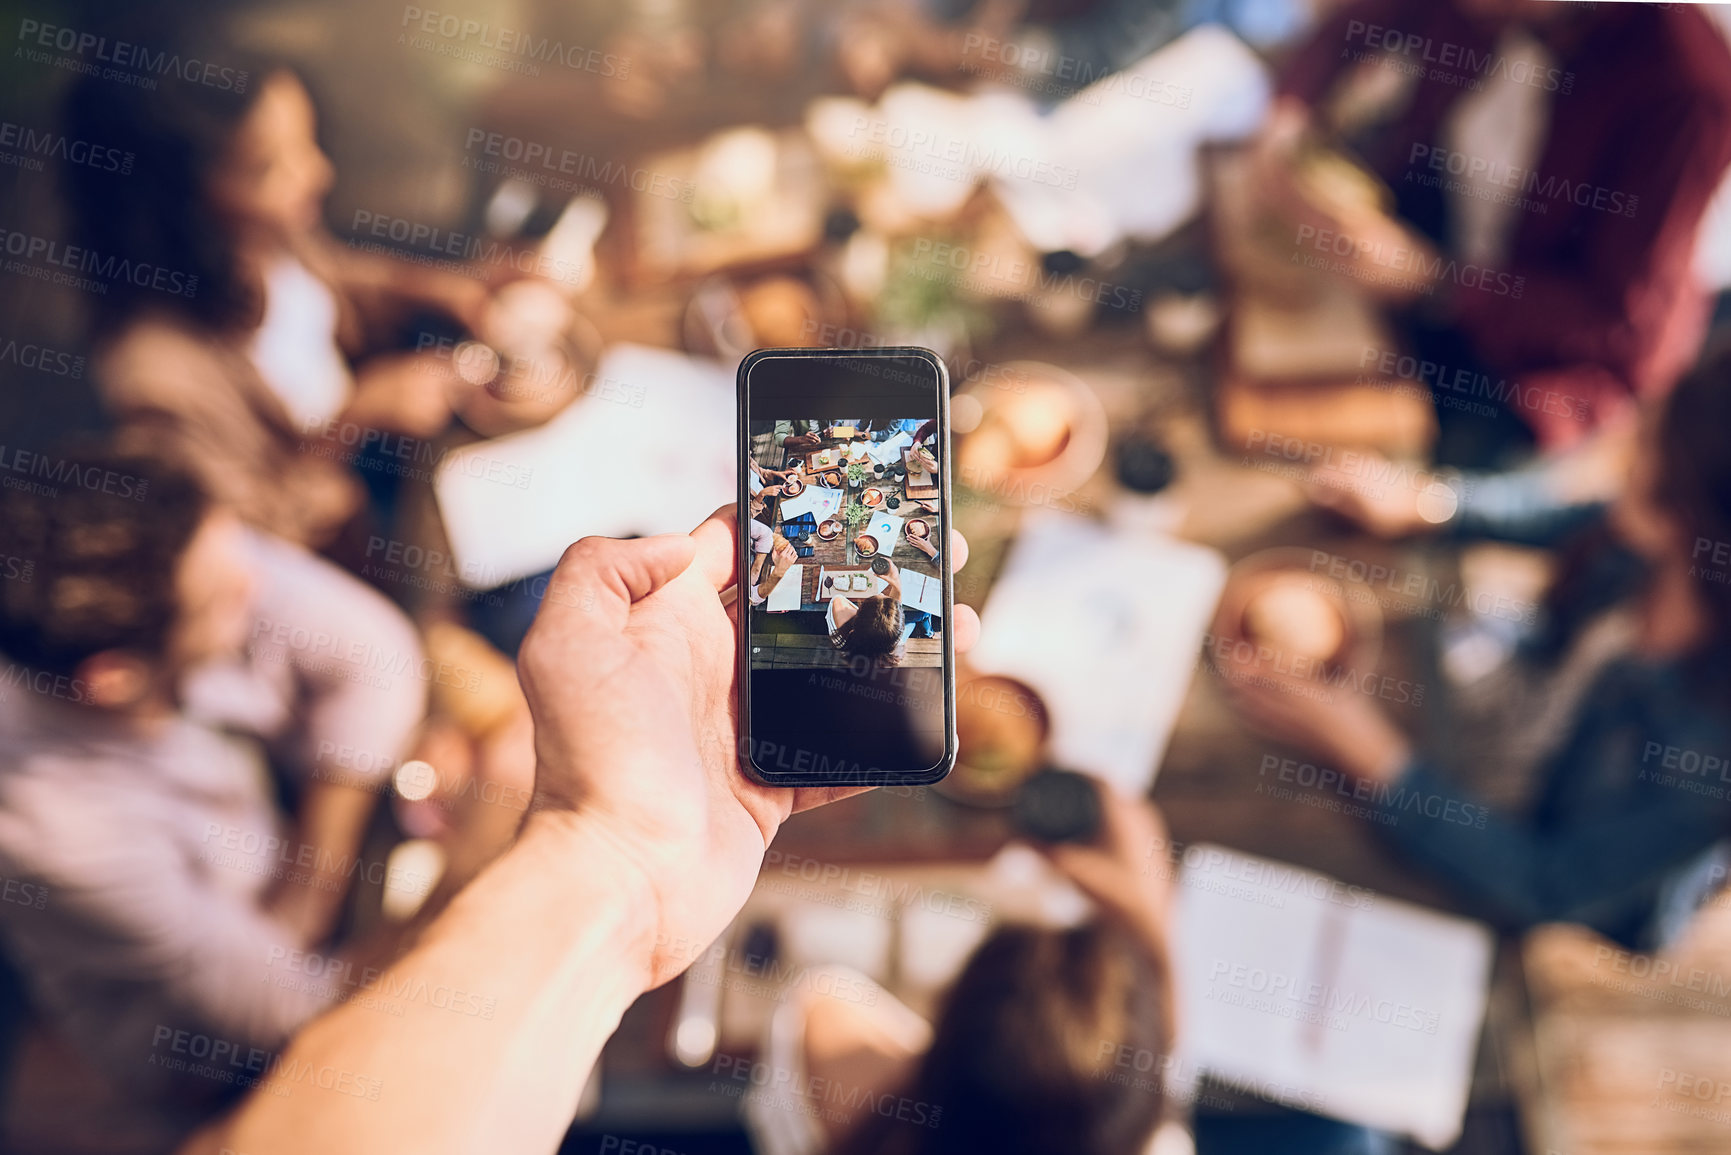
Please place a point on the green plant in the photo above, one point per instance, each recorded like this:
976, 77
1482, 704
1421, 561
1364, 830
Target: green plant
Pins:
856, 473
855, 515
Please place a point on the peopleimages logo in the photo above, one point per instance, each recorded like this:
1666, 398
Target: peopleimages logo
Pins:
32, 146
76, 259
1535, 189
1454, 64
512, 49
138, 64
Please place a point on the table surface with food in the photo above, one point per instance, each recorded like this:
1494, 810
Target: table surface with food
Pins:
873, 515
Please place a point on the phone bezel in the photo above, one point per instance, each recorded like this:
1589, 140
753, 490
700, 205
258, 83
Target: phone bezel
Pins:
747, 747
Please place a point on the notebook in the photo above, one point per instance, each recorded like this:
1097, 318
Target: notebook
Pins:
922, 592
1297, 988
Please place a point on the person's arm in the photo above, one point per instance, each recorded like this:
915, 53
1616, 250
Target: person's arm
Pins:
1126, 869
645, 842
330, 823
1538, 505
1522, 507
557, 939
781, 560
353, 707
379, 286
925, 547
1518, 875
893, 582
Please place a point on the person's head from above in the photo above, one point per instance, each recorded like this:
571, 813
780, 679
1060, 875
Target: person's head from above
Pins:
874, 630
1050, 1040
217, 172
1675, 511
135, 577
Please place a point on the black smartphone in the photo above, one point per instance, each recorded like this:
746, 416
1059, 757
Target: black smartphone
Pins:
846, 664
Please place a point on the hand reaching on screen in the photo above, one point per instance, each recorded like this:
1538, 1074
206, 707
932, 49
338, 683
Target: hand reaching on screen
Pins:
1382, 497
1126, 869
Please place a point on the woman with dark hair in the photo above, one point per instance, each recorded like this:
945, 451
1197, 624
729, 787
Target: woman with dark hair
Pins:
1625, 836
248, 372
1051, 1040
871, 627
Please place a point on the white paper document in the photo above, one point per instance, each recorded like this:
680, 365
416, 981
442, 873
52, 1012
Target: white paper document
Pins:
648, 448
887, 528
1297, 988
785, 596
922, 592
1106, 627
818, 500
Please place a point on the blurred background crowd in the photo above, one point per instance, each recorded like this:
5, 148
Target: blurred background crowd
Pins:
1340, 419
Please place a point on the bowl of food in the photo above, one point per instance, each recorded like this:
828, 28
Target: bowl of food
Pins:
792, 487
1049, 437
872, 497
1001, 730
1286, 617
866, 544
833, 479
917, 528
828, 530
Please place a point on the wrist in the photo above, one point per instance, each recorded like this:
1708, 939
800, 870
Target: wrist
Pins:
614, 896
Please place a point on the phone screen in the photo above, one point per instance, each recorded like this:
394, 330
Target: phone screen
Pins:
847, 663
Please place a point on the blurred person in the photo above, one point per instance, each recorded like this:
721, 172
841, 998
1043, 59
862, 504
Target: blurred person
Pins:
1049, 1040
1026, 1053
1619, 839
615, 885
252, 376
170, 674
1566, 152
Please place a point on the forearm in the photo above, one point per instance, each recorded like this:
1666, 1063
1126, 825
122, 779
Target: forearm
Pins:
551, 939
1593, 870
1525, 507
770, 581
332, 821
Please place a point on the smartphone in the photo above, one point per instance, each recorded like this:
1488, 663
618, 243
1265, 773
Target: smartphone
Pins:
846, 664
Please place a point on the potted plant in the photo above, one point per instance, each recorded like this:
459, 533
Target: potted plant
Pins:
856, 474
854, 516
